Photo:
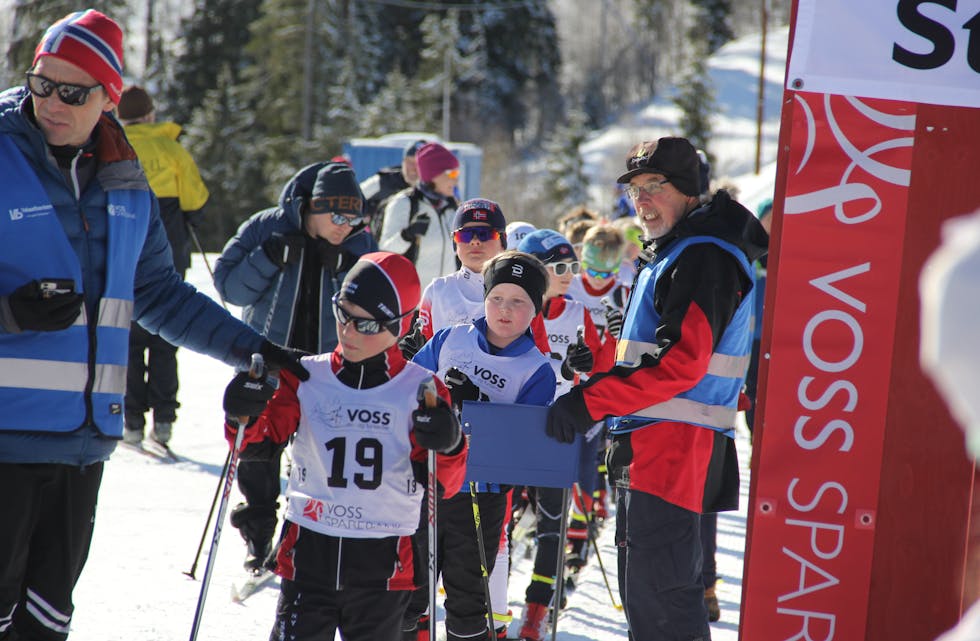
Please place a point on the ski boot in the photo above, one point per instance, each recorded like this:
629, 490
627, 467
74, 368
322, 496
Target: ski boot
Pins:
535, 615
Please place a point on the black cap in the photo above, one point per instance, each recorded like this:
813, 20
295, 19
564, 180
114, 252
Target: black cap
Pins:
674, 158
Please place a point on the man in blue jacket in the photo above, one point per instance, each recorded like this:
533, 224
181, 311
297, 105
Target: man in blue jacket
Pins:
82, 252
284, 266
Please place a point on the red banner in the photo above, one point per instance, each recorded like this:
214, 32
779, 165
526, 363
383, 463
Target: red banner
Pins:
832, 309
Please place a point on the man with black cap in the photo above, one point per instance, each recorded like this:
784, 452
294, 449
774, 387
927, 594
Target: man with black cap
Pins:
387, 182
82, 253
283, 266
673, 393
151, 378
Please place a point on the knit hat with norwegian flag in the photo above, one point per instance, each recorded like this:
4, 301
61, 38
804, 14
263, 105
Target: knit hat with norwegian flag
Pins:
481, 210
92, 42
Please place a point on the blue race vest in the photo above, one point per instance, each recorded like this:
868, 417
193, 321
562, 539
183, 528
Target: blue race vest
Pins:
713, 402
46, 378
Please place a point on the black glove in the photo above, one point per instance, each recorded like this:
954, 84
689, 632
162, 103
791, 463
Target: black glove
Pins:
614, 321
578, 359
436, 428
247, 396
461, 388
568, 416
334, 258
277, 357
284, 249
193, 218
29, 310
412, 342
417, 227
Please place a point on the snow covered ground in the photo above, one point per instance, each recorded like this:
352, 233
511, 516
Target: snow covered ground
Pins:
151, 514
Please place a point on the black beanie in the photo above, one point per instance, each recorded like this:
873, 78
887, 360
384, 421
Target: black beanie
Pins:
336, 191
386, 285
521, 269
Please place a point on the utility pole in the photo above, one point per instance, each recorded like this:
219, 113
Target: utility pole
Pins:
307, 114
148, 41
447, 67
760, 102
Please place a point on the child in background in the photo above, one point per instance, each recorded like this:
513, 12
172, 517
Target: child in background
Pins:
605, 296
633, 235
556, 333
348, 556
493, 358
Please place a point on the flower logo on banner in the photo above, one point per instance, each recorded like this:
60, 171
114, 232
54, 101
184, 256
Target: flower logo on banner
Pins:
850, 187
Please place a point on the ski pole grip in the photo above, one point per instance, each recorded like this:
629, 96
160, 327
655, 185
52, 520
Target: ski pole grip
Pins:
256, 370
427, 394
580, 332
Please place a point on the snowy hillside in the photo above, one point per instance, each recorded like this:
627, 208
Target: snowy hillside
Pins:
734, 73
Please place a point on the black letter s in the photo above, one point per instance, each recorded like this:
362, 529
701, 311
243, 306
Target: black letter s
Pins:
943, 43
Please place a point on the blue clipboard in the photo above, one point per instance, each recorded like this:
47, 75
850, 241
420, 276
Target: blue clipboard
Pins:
508, 445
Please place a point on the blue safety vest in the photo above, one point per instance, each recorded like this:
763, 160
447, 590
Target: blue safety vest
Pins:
713, 402
48, 378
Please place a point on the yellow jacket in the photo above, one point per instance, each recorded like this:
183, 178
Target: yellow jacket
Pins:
169, 168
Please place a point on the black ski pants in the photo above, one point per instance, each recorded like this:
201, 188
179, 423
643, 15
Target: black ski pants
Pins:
548, 509
47, 513
151, 379
659, 555
459, 561
314, 612
260, 483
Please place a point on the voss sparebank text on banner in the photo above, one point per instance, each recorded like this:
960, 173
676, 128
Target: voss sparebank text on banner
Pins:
859, 112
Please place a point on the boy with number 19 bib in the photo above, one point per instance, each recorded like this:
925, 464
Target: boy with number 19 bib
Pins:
348, 557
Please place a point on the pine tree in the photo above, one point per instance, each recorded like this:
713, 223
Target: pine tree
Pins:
567, 183
696, 100
713, 18
28, 22
210, 41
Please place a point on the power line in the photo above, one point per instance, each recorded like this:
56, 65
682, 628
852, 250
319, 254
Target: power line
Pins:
437, 6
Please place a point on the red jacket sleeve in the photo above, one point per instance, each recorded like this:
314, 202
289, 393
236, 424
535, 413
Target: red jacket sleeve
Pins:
281, 416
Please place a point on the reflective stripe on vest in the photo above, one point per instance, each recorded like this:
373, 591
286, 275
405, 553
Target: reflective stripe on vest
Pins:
44, 375
713, 402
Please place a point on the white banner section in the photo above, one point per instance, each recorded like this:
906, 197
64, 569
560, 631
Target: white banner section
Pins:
914, 50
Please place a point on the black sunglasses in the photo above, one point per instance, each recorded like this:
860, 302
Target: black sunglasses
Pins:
74, 95
366, 326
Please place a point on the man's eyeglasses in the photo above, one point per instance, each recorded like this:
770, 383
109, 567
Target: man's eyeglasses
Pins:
465, 235
74, 95
651, 188
560, 268
595, 273
453, 173
366, 326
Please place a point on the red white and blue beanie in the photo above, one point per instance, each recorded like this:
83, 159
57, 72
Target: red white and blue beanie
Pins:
547, 245
481, 210
386, 285
91, 41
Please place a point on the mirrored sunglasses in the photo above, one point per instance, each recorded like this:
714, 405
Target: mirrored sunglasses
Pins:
73, 95
650, 188
341, 219
366, 326
596, 273
453, 173
464, 235
560, 268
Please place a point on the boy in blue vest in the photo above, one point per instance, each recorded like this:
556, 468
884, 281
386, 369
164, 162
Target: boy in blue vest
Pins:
348, 554
493, 358
82, 253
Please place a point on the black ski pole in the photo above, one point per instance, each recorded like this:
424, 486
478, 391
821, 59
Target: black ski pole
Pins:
566, 496
200, 248
427, 396
207, 524
595, 546
257, 370
483, 562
